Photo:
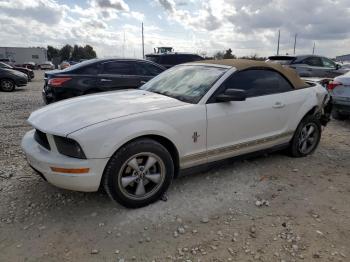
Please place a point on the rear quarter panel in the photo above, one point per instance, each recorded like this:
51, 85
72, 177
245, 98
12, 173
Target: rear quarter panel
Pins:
312, 98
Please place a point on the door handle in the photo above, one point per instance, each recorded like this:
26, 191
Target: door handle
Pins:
142, 82
278, 105
105, 80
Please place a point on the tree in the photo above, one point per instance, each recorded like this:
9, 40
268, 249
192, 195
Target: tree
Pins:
89, 52
79, 52
228, 54
65, 52
52, 52
254, 57
219, 55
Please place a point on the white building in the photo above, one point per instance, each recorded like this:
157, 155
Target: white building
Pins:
23, 55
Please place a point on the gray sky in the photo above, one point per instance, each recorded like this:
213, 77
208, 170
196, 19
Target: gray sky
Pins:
113, 27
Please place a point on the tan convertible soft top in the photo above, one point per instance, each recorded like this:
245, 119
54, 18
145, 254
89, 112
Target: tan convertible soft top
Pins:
242, 64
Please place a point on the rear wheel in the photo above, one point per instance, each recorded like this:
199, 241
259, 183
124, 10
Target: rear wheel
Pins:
306, 138
139, 173
338, 116
7, 85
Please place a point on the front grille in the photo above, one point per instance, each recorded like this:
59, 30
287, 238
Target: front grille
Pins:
41, 138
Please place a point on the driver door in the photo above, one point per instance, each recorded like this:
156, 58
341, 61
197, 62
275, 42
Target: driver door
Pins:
259, 122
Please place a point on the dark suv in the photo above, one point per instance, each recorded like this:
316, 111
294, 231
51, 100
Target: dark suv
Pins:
310, 65
98, 75
171, 59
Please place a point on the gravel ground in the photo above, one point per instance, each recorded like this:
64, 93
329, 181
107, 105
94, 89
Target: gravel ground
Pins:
269, 208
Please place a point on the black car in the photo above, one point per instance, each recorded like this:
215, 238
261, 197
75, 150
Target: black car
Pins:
310, 65
27, 71
98, 75
171, 59
9, 79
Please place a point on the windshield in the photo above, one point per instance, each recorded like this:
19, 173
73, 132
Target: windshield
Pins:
188, 83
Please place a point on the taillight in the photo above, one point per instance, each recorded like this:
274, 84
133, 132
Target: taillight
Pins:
333, 84
57, 82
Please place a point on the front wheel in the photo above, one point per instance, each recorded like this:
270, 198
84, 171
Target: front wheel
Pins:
7, 85
306, 138
139, 173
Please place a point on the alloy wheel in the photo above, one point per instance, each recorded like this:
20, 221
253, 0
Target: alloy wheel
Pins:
6, 85
308, 138
141, 176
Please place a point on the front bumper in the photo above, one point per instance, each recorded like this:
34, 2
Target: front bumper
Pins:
21, 81
41, 159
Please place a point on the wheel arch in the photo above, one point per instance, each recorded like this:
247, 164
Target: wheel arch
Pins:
8, 78
164, 141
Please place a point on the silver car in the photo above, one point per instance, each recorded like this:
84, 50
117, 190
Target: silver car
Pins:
339, 89
310, 65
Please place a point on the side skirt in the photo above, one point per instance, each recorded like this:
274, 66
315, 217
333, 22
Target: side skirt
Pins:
206, 167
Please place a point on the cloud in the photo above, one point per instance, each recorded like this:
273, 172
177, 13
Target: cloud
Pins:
110, 4
45, 11
245, 26
203, 19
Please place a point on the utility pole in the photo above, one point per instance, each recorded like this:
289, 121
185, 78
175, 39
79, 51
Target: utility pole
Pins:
278, 43
143, 44
124, 46
313, 49
295, 42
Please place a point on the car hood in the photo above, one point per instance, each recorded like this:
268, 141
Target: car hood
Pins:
15, 72
65, 117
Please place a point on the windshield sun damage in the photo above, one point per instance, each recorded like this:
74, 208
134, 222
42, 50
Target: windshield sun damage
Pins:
188, 83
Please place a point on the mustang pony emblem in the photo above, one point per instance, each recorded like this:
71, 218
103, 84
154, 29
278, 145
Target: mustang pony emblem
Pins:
195, 137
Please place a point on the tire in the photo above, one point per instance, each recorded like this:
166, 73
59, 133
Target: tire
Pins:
301, 136
7, 85
133, 183
338, 116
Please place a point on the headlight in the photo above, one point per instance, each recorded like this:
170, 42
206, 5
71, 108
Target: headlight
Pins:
69, 147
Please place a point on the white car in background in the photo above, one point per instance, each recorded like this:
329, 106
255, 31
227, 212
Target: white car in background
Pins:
133, 142
339, 89
47, 66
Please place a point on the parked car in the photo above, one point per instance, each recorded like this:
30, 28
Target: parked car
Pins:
8, 61
133, 142
171, 59
28, 72
30, 65
339, 89
47, 66
98, 75
323, 81
310, 65
10, 78
64, 65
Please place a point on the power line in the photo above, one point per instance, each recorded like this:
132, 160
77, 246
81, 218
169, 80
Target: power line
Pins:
278, 42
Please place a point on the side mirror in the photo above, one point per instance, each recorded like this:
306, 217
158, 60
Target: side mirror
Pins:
337, 66
232, 95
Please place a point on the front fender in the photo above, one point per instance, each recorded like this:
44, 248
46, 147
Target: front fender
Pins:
112, 135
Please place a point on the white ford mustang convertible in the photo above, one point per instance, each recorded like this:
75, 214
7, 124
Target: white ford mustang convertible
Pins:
134, 142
